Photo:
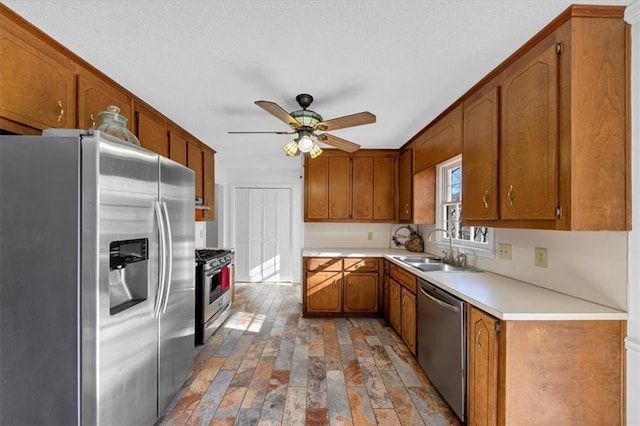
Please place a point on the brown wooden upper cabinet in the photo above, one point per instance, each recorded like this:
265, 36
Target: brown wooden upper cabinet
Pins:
546, 141
95, 94
150, 129
177, 145
357, 187
194, 162
480, 159
208, 186
441, 141
405, 185
37, 82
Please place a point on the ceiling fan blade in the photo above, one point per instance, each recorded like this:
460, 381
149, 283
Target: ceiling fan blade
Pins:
347, 121
337, 142
277, 111
277, 133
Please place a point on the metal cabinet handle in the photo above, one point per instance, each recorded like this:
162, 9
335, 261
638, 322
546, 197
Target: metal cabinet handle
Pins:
478, 344
60, 111
406, 208
510, 196
484, 198
93, 120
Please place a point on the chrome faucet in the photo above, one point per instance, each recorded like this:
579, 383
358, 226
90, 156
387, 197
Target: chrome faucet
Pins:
448, 257
460, 260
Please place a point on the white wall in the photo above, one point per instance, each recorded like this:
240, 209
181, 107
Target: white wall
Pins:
589, 265
345, 235
632, 15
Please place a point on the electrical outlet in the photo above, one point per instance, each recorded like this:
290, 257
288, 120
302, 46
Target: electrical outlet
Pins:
369, 235
504, 251
541, 257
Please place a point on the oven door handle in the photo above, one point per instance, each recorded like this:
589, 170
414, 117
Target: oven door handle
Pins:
440, 302
213, 272
161, 256
169, 275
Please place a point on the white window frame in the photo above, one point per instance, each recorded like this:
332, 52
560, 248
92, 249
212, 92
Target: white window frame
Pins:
465, 246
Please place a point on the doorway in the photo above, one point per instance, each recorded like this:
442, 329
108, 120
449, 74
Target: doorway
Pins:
263, 231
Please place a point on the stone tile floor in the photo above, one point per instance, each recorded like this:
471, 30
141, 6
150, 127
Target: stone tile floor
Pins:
268, 365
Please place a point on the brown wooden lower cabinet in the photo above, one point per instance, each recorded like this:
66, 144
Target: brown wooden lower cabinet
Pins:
386, 291
482, 362
545, 372
349, 286
402, 305
395, 306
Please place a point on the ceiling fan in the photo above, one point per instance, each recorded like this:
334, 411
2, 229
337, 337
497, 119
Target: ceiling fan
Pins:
305, 123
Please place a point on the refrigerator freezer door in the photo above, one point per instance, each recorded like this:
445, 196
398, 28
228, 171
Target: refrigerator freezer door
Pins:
176, 329
120, 186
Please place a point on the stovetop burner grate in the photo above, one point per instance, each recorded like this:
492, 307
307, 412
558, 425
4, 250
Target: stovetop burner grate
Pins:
205, 255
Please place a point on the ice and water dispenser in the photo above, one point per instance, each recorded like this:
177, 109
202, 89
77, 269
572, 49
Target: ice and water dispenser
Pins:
128, 274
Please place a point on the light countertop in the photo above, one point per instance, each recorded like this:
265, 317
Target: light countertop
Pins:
503, 297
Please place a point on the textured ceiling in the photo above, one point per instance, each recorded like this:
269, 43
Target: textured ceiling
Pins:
204, 63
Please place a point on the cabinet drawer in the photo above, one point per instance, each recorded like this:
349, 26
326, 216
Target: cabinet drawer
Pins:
323, 264
361, 264
407, 279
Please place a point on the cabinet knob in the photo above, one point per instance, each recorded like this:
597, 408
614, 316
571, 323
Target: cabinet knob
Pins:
406, 208
60, 111
93, 120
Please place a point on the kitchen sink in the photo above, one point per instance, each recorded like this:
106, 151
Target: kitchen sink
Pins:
430, 267
420, 260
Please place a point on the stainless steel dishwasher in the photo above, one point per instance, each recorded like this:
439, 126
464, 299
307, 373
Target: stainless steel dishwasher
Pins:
442, 343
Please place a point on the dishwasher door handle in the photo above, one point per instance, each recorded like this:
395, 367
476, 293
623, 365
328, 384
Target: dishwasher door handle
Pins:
440, 302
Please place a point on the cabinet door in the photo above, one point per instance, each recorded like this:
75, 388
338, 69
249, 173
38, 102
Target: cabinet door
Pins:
362, 198
405, 177
209, 184
316, 196
441, 141
408, 307
361, 292
529, 137
324, 292
177, 146
384, 185
95, 95
395, 303
194, 162
480, 156
150, 129
482, 388
37, 83
339, 188
386, 296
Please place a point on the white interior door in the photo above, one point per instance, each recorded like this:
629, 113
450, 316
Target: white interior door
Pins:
263, 234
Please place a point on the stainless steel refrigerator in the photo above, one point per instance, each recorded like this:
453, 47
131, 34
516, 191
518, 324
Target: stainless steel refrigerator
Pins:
96, 280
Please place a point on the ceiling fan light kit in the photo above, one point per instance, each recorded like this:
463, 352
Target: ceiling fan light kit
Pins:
305, 122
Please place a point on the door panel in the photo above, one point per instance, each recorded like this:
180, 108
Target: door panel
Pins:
263, 234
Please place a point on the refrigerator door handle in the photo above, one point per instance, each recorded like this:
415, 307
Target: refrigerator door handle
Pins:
161, 255
169, 274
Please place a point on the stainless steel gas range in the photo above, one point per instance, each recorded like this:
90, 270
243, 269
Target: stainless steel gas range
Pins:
213, 298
